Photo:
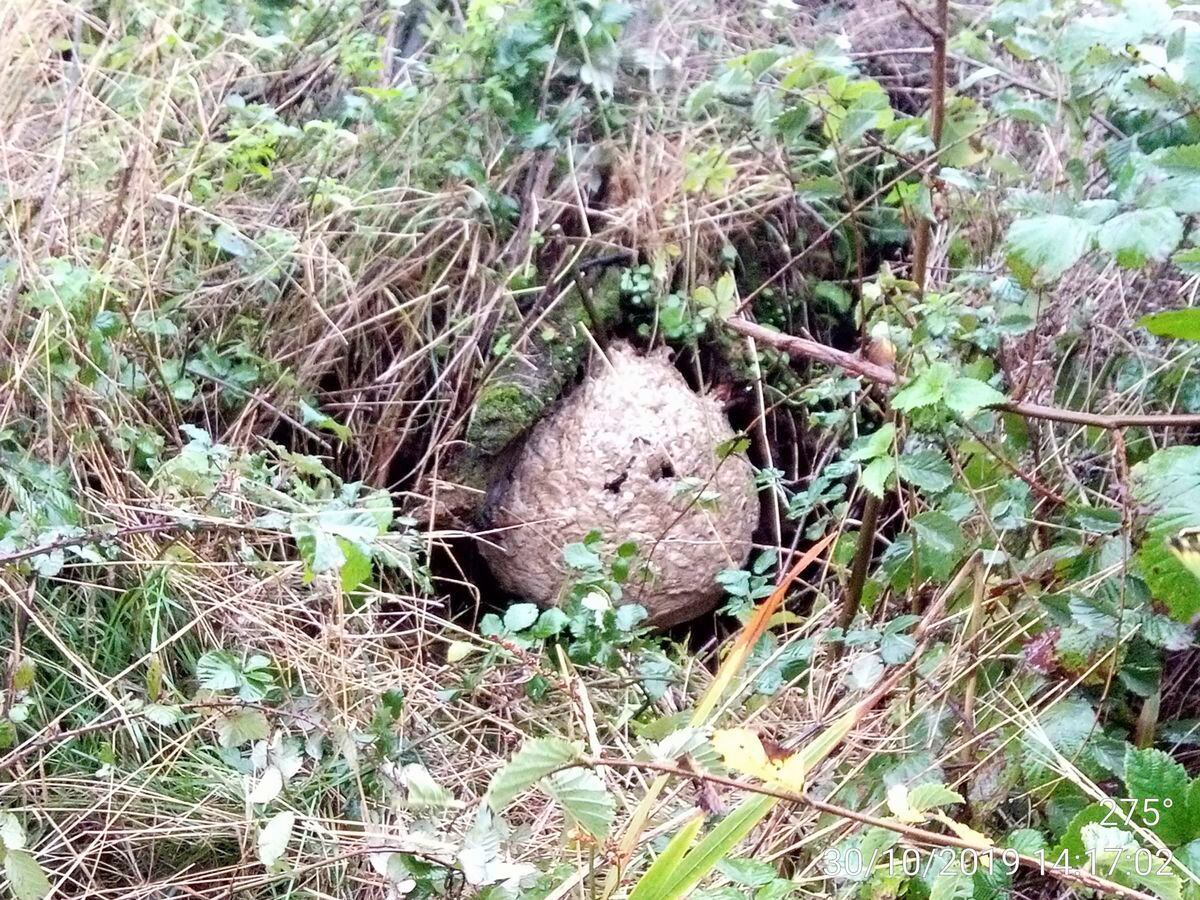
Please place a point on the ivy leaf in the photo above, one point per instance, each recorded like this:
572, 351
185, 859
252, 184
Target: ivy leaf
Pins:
26, 879
966, 396
585, 800
925, 469
274, 837
1141, 235
1173, 323
1046, 246
534, 761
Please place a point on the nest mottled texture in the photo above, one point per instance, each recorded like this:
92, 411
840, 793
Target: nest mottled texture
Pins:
627, 453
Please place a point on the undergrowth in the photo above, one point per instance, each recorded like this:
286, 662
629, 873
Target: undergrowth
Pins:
258, 263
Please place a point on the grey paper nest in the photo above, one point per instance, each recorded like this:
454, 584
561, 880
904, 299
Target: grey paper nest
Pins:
627, 453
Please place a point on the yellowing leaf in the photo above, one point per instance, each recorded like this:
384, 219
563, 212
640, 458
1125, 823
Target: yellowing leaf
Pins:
897, 801
965, 832
743, 752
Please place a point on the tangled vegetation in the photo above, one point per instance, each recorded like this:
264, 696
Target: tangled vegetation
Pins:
284, 284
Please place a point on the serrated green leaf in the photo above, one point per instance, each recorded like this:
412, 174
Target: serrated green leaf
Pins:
1141, 235
310, 415
876, 444
927, 389
1168, 483
939, 542
952, 884
966, 396
241, 725
534, 761
26, 878
1162, 785
925, 469
875, 475
219, 670
1048, 245
584, 799
1173, 323
929, 796
356, 565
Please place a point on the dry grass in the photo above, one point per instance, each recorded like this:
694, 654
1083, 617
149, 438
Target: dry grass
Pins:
384, 314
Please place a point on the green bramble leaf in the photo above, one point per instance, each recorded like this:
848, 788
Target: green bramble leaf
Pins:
1173, 323
1141, 236
1045, 247
534, 761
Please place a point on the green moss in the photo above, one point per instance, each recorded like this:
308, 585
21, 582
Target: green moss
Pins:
503, 412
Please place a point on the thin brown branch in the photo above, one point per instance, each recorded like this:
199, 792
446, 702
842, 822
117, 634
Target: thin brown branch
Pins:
798, 347
802, 348
1067, 874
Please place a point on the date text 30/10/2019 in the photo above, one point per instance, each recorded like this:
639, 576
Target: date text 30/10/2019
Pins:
909, 861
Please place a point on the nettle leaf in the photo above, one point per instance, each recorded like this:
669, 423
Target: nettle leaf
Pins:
1173, 323
26, 878
584, 798
925, 469
534, 761
1162, 784
1141, 235
1045, 247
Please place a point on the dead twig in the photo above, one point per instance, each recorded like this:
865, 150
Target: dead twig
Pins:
802, 348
